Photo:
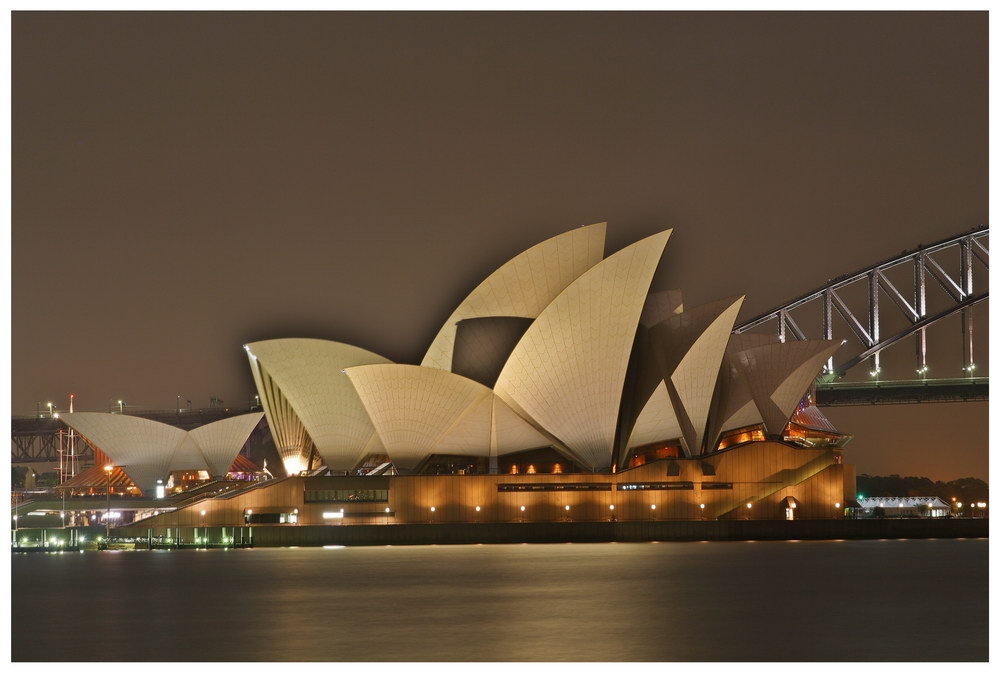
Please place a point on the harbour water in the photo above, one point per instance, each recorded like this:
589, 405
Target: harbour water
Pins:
908, 600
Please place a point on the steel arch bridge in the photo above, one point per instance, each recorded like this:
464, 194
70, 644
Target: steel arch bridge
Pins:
909, 300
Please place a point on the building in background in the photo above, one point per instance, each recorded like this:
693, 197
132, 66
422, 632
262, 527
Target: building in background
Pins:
902, 506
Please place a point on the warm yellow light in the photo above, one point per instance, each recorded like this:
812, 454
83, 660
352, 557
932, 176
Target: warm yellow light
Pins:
794, 505
109, 468
749, 505
387, 510
836, 505
652, 507
477, 508
249, 511
293, 465
202, 513
567, 507
701, 505
522, 508
433, 508
611, 507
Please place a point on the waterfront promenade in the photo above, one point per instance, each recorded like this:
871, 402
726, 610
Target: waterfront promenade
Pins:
523, 532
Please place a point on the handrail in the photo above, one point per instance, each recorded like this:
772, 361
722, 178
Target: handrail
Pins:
929, 383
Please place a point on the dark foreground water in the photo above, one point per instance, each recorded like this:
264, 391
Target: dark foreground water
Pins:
779, 600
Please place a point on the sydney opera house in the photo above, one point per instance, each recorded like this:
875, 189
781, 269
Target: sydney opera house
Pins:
559, 389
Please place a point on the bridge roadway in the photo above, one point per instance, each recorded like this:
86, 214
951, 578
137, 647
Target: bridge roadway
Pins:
842, 394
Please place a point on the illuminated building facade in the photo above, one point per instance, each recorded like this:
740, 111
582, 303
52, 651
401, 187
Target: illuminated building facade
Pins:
560, 388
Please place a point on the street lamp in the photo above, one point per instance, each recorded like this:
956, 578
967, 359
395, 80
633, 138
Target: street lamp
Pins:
121, 407
107, 513
49, 405
108, 469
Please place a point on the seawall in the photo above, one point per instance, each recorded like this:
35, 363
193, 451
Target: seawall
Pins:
575, 532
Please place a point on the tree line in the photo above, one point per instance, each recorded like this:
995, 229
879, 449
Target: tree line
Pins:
964, 489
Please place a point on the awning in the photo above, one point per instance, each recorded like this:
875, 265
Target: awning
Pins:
789, 502
95, 476
241, 464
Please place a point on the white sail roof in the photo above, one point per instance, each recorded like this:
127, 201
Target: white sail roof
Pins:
311, 403
778, 375
418, 411
657, 421
142, 448
568, 371
694, 380
736, 408
523, 286
680, 359
220, 441
148, 450
511, 433
187, 456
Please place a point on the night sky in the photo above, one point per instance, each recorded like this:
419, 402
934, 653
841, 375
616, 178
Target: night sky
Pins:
186, 183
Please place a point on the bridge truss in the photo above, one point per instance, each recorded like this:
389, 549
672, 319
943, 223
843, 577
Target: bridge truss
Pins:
864, 320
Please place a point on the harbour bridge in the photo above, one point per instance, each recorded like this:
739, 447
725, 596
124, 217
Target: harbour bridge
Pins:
926, 287
848, 307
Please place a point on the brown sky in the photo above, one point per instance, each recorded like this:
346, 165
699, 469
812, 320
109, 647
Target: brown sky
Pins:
185, 183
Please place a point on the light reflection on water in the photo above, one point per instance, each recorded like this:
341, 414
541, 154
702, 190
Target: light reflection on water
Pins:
773, 600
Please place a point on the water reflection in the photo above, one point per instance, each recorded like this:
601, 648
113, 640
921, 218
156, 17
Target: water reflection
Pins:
672, 601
